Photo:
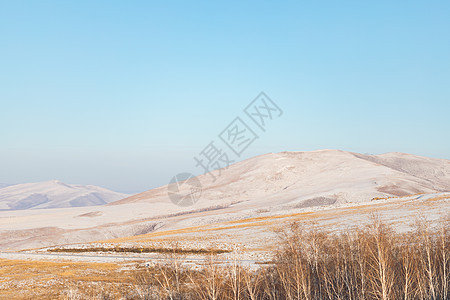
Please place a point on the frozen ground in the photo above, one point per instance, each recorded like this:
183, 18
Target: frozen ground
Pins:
254, 238
248, 201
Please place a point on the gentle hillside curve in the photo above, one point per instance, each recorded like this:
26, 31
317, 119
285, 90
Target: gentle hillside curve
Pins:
266, 186
322, 177
54, 194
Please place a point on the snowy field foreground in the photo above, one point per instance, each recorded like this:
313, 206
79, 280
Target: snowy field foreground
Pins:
254, 237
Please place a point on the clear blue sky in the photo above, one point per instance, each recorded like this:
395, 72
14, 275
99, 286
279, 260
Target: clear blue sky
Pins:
123, 94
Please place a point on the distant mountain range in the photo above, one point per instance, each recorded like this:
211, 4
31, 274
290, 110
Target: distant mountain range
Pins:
54, 194
2, 185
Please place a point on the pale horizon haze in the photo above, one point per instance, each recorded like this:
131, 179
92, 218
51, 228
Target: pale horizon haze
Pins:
123, 95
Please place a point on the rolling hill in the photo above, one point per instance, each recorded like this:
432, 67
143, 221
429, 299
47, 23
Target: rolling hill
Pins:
267, 187
54, 194
321, 177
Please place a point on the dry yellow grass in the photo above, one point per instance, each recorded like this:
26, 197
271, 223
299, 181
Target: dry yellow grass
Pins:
313, 263
23, 279
443, 197
244, 223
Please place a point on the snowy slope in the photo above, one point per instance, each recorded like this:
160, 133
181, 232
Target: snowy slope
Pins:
270, 184
54, 194
306, 178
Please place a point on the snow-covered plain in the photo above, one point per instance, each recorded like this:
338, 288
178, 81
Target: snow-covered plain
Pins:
266, 185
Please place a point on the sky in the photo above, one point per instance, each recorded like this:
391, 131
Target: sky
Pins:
124, 94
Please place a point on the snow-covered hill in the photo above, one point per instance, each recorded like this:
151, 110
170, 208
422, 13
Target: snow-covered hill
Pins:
299, 179
269, 185
54, 194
